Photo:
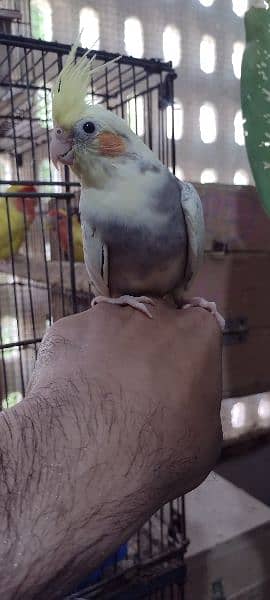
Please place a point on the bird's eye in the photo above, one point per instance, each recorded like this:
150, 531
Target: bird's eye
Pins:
89, 127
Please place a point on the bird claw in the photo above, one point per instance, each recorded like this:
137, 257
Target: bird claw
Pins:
210, 306
136, 302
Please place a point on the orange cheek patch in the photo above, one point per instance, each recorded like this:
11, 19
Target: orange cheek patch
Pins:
111, 144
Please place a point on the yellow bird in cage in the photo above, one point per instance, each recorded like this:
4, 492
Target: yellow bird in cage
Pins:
16, 216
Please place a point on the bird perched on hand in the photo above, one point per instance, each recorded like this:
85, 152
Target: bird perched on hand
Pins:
20, 214
60, 216
143, 230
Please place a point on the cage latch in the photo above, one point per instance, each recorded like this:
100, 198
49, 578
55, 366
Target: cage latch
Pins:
166, 94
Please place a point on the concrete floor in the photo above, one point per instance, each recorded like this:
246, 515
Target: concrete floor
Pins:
229, 533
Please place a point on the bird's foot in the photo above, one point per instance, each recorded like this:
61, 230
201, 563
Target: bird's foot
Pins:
210, 306
136, 302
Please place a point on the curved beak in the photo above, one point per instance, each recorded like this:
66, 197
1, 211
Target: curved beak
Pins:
61, 147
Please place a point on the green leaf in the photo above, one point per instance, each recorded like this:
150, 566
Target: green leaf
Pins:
255, 98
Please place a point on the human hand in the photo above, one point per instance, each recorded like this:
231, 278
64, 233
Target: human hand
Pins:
159, 380
121, 415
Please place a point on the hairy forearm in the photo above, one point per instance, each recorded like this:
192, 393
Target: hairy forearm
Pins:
108, 432
73, 486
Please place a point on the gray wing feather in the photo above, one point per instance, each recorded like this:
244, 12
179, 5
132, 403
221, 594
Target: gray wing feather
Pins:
96, 261
194, 220
193, 212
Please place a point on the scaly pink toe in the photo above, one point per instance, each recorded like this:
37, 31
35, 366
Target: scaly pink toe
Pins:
135, 302
210, 306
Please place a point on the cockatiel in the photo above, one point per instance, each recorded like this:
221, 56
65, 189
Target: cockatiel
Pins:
60, 215
18, 221
143, 230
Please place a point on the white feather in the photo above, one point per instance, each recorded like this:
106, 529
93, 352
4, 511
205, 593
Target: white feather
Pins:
125, 196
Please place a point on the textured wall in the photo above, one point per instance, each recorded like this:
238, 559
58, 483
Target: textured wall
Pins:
192, 86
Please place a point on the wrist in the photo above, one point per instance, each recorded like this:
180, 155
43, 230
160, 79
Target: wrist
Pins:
74, 473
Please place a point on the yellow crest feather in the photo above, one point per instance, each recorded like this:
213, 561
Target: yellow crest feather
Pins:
70, 88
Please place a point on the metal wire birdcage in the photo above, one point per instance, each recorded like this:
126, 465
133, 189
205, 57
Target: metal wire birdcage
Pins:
44, 278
